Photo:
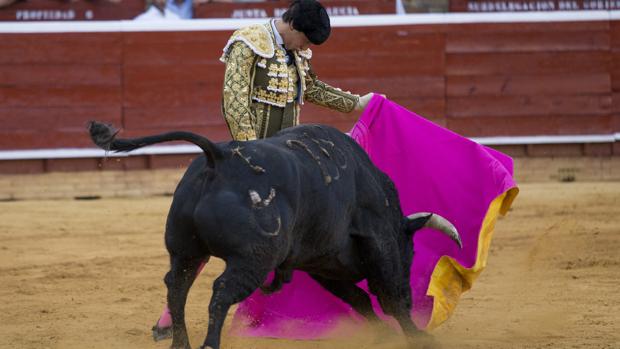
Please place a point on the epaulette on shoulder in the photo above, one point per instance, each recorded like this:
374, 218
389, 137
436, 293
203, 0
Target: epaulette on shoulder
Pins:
256, 37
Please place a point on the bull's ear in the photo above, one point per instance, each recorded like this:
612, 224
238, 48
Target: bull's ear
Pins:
414, 223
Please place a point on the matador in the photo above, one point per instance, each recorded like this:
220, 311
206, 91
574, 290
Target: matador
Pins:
269, 75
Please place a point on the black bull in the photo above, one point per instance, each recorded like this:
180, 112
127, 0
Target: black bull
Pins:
308, 199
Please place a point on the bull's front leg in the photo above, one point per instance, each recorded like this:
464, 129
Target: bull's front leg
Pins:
237, 282
179, 280
399, 306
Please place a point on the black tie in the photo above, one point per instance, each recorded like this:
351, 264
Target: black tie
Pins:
291, 57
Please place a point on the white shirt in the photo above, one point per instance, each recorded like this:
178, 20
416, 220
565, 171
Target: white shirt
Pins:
279, 39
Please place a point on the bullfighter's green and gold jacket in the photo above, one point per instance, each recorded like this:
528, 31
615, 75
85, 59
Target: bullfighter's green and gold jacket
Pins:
262, 93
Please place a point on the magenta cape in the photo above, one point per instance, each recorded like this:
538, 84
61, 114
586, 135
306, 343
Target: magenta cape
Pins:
435, 170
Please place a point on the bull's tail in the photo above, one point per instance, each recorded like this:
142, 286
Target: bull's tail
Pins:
432, 220
104, 136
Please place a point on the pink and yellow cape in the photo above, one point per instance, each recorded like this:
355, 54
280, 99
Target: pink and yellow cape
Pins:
435, 170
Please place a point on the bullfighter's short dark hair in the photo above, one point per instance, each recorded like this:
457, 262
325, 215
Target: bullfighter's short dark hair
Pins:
310, 18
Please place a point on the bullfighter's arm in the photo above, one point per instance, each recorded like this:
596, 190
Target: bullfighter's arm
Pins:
236, 104
320, 93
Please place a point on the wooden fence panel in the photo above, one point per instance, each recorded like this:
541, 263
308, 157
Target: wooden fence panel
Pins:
173, 80
547, 27
417, 86
534, 85
525, 79
53, 96
615, 78
478, 80
531, 41
57, 118
500, 106
531, 125
379, 66
528, 63
61, 74
63, 48
52, 84
173, 117
400, 40
215, 133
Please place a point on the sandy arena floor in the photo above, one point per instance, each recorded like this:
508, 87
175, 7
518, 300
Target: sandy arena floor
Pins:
88, 274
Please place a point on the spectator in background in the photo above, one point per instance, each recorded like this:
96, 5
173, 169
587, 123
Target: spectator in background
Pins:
182, 8
5, 3
172, 9
167, 9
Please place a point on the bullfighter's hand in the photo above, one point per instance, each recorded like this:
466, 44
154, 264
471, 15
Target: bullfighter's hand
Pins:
363, 100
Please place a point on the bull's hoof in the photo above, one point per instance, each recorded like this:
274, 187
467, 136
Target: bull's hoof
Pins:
383, 332
161, 333
185, 346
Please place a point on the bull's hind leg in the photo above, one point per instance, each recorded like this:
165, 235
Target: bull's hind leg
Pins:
237, 282
179, 280
163, 327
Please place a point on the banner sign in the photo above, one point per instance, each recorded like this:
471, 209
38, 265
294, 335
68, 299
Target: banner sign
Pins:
531, 5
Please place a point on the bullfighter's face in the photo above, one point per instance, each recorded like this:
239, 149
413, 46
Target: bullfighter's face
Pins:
296, 40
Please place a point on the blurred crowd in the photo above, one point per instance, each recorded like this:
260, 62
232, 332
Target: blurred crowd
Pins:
186, 9
183, 9
155, 9
177, 9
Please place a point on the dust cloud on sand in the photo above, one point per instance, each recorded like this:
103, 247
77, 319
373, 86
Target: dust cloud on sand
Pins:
88, 274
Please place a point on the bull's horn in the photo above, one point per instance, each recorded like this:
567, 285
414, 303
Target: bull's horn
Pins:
438, 222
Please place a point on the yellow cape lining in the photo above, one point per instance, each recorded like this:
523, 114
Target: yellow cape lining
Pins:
450, 279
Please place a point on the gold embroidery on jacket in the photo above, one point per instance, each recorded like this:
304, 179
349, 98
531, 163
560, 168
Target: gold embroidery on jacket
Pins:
291, 84
323, 94
262, 111
257, 37
275, 90
238, 79
277, 99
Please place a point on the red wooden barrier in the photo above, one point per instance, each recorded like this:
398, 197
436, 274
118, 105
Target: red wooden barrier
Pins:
529, 79
615, 78
477, 79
